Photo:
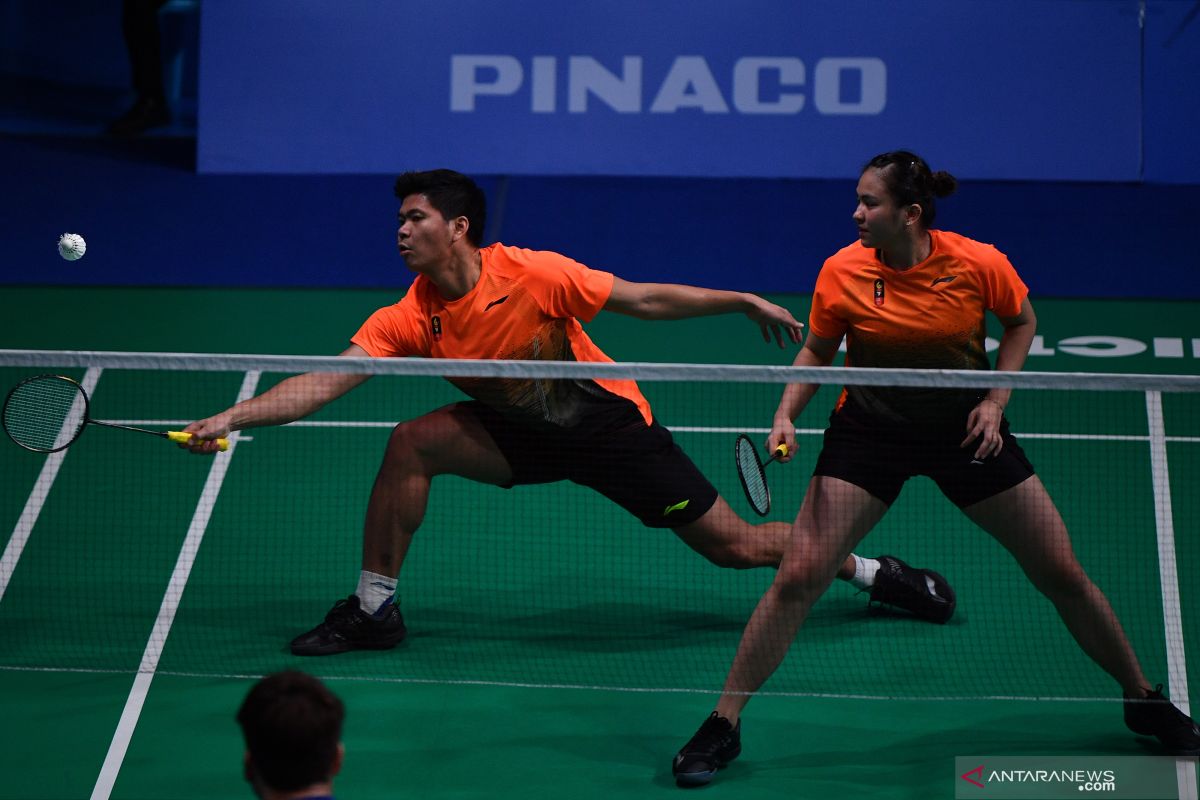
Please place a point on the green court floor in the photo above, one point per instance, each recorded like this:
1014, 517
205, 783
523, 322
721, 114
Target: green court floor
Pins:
557, 647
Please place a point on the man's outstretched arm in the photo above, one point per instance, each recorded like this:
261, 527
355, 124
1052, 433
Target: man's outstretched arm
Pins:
677, 301
288, 400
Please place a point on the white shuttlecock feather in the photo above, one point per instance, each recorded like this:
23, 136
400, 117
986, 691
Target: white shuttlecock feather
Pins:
71, 246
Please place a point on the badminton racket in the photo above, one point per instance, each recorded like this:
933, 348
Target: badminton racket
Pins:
48, 413
752, 471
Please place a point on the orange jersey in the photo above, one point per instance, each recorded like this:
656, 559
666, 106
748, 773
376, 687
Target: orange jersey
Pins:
527, 306
930, 316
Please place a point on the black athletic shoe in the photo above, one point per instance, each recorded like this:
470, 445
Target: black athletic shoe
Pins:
714, 745
1156, 716
348, 627
897, 584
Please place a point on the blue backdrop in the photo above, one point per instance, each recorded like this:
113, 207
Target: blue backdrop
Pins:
989, 89
151, 223
636, 140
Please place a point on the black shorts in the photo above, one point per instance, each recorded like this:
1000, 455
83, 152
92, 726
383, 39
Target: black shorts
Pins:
880, 457
637, 466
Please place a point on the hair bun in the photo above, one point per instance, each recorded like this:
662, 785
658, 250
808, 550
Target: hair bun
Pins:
943, 183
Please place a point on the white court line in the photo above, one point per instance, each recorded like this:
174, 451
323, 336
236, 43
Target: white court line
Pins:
37, 497
166, 612
1185, 770
706, 690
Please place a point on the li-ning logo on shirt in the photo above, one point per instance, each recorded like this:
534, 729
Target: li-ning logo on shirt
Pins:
495, 302
943, 279
435, 324
879, 291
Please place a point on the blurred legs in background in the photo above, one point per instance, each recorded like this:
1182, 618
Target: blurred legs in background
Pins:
143, 42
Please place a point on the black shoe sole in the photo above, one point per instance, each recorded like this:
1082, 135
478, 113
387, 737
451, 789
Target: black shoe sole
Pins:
1180, 752
692, 780
1184, 753
334, 648
688, 780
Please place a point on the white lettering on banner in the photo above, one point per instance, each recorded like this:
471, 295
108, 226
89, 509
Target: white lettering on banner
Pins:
1165, 347
466, 83
1101, 346
828, 85
586, 75
747, 78
689, 83
1036, 348
544, 85
1098, 347
1095, 347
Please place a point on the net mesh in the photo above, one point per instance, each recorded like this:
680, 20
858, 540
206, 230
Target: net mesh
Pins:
125, 553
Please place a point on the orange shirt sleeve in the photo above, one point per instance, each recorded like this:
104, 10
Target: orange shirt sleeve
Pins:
822, 318
1004, 291
563, 286
394, 330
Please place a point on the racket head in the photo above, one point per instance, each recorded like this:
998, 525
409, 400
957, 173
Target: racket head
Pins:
752, 474
45, 413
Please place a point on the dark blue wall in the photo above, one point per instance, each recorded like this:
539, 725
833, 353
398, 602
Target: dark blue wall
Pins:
150, 220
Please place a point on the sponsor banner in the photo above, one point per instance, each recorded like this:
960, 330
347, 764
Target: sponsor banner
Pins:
996, 89
1169, 347
1050, 777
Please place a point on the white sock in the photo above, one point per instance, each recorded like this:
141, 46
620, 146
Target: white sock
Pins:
864, 575
864, 572
374, 591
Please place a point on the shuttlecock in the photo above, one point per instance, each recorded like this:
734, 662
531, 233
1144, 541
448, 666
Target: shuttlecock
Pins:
71, 246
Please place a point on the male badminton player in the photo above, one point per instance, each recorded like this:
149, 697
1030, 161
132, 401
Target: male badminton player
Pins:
499, 302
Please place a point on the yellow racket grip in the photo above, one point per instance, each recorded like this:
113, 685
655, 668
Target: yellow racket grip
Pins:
183, 438
781, 450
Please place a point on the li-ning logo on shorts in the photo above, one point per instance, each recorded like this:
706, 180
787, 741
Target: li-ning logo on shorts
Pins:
680, 506
879, 291
435, 324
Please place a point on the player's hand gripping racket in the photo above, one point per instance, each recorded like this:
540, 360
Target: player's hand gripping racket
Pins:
47, 413
753, 472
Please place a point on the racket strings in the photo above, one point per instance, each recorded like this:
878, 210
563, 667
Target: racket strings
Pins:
752, 476
45, 413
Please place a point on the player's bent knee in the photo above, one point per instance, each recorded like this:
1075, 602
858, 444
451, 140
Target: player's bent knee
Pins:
426, 434
414, 439
403, 439
801, 581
